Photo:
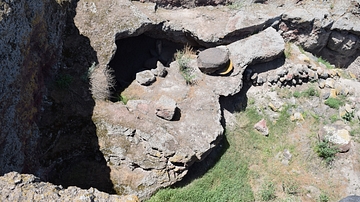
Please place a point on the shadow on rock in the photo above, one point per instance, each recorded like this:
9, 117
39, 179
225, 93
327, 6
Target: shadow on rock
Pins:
68, 147
198, 169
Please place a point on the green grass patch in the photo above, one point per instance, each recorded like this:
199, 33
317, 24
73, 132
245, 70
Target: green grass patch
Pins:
311, 91
297, 94
301, 49
229, 179
267, 192
334, 103
325, 62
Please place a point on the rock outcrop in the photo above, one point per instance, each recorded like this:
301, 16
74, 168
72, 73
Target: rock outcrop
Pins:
144, 152
25, 187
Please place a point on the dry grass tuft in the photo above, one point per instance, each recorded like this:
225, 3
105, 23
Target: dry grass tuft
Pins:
102, 81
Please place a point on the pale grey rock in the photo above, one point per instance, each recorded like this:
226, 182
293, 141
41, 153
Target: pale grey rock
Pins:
160, 70
145, 77
298, 16
338, 135
212, 59
330, 83
165, 108
252, 20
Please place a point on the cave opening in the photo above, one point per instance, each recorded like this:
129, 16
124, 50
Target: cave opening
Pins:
138, 53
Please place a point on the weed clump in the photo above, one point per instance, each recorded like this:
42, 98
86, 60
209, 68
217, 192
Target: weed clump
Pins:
310, 92
267, 192
183, 58
348, 116
326, 151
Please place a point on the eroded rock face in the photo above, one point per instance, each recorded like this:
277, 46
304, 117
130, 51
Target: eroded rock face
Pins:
25, 187
28, 30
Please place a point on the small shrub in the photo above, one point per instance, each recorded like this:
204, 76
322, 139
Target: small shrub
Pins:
326, 63
323, 198
326, 151
348, 116
290, 187
297, 94
334, 103
268, 192
64, 81
334, 118
310, 92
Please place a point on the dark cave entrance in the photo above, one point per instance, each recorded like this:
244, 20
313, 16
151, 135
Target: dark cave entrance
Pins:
138, 53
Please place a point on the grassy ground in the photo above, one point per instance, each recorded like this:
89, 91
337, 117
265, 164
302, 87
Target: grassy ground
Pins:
252, 166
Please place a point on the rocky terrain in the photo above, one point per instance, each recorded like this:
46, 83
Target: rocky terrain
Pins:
93, 95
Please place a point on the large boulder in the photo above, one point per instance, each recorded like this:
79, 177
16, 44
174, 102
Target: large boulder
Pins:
213, 59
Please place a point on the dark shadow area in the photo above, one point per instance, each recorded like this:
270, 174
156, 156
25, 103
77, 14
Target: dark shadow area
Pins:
135, 54
177, 114
68, 146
